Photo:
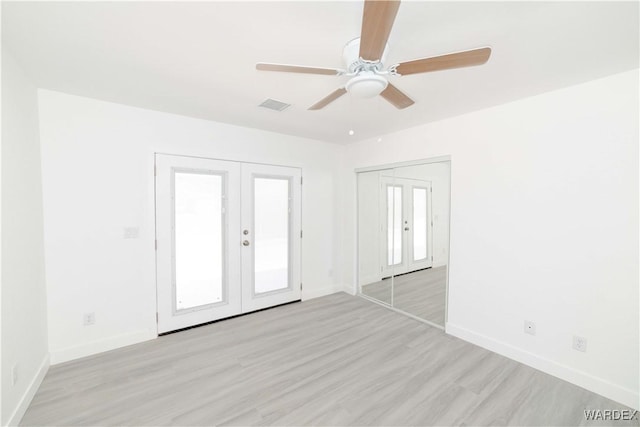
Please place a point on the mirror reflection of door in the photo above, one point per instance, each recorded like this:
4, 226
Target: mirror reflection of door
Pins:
406, 204
403, 238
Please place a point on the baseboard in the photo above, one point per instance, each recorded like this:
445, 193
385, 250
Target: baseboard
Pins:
320, 292
371, 279
350, 289
31, 390
580, 378
99, 346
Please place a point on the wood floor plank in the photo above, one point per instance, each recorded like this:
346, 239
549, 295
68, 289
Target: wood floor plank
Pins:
421, 293
337, 360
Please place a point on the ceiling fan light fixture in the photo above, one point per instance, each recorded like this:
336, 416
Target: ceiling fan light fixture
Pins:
366, 85
365, 57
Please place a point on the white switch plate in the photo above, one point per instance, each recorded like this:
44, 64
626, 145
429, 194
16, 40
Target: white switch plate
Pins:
131, 232
529, 327
89, 319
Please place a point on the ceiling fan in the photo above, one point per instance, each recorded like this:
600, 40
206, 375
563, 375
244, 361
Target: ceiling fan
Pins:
364, 59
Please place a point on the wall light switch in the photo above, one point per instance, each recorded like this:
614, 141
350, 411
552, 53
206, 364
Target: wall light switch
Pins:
131, 232
14, 374
89, 319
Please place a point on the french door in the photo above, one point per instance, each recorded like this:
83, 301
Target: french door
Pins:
228, 238
407, 225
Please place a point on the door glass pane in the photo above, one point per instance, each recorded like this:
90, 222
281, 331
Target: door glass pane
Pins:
419, 224
271, 227
394, 225
198, 231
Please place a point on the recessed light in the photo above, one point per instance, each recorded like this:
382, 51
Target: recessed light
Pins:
351, 132
379, 139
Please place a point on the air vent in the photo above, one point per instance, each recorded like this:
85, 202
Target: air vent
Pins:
272, 104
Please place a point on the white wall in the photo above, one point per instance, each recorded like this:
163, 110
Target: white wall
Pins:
544, 227
24, 308
97, 167
544, 220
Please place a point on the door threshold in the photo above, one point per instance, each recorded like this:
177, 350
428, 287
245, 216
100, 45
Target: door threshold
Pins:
227, 318
408, 272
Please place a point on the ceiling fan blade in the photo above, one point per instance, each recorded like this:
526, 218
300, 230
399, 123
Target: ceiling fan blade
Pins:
377, 21
328, 99
297, 69
445, 62
396, 97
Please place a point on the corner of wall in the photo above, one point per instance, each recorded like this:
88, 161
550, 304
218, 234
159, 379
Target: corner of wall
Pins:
321, 292
29, 393
23, 275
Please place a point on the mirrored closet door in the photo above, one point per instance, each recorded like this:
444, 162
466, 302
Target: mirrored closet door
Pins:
403, 238
376, 231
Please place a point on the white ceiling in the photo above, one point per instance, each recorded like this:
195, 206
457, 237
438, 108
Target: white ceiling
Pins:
198, 59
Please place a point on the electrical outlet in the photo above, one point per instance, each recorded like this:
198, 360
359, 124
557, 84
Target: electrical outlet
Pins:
89, 319
14, 374
579, 343
529, 327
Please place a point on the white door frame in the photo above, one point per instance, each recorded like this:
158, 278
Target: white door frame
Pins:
295, 241
407, 264
250, 300
230, 305
386, 269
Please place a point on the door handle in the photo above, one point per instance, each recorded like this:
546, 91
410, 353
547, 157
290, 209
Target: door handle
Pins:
245, 243
406, 229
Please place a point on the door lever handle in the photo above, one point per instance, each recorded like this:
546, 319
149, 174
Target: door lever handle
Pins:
245, 243
406, 229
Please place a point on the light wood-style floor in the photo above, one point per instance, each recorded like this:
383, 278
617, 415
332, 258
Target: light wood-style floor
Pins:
336, 360
421, 293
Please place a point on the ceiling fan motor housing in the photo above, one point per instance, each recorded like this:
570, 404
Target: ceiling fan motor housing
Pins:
353, 62
367, 82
